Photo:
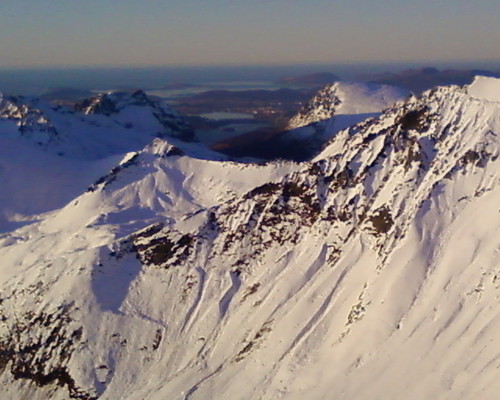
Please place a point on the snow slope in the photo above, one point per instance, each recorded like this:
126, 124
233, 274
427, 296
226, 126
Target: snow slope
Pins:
485, 88
371, 272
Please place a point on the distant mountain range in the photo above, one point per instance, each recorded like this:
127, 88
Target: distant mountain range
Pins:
418, 80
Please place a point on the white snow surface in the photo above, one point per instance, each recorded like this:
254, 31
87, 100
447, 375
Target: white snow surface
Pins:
485, 88
370, 273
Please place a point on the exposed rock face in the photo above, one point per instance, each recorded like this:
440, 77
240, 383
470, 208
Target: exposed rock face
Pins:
351, 276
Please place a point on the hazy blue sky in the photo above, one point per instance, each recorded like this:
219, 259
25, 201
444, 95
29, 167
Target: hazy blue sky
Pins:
203, 32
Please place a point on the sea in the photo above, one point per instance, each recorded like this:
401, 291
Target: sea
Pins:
176, 81
36, 81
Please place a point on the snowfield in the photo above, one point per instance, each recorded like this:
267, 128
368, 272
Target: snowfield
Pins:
164, 270
485, 88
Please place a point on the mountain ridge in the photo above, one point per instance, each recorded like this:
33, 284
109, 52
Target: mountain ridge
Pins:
256, 287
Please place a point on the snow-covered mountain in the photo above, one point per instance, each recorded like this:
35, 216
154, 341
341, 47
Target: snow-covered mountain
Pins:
137, 106
346, 98
49, 154
370, 272
335, 107
107, 124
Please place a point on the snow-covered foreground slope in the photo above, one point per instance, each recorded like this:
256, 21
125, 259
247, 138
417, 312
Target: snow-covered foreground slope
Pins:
371, 272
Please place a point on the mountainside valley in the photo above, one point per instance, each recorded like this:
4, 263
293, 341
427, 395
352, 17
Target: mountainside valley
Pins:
138, 263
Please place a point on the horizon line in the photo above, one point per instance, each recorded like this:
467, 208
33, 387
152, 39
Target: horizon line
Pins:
422, 63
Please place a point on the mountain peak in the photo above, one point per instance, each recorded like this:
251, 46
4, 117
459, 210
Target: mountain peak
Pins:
115, 102
346, 98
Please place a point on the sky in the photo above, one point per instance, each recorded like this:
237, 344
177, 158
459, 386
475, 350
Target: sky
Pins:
36, 33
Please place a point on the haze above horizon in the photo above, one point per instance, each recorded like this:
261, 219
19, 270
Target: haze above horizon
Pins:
38, 33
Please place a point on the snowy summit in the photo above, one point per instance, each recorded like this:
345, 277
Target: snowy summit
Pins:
347, 98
